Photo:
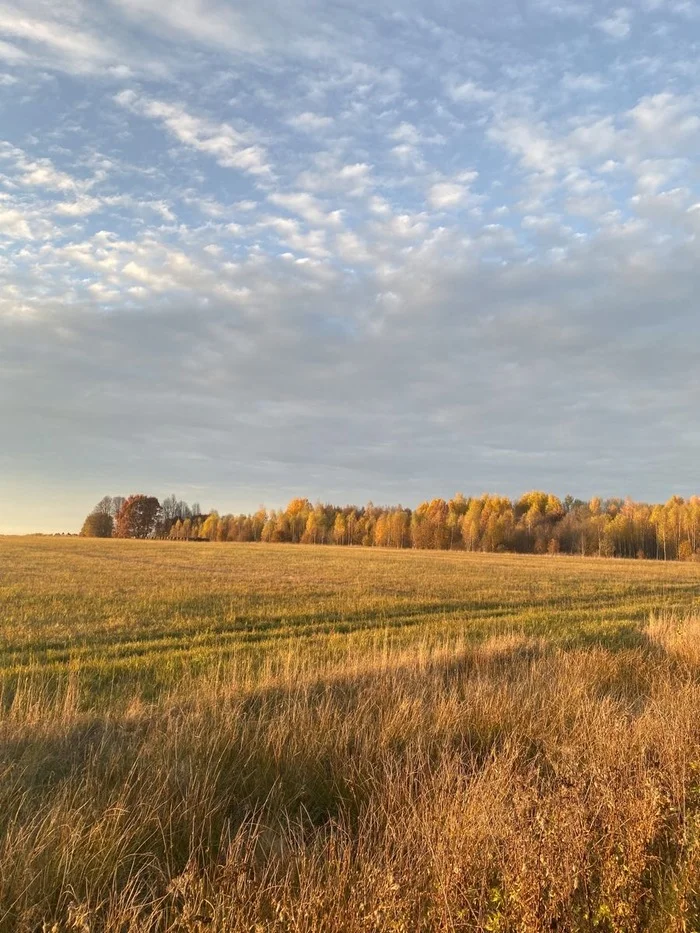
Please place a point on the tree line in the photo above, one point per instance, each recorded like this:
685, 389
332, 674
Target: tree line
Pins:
536, 523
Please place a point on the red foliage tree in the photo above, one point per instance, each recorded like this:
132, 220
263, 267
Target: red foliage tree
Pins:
138, 517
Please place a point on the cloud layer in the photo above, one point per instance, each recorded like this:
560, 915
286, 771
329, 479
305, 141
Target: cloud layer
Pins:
249, 251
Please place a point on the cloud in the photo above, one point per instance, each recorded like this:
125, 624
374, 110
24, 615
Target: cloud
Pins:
42, 174
666, 119
588, 83
308, 207
50, 40
283, 369
226, 145
444, 195
290, 232
310, 122
11, 54
408, 133
13, 224
36, 173
78, 208
342, 253
469, 92
210, 23
618, 25
352, 248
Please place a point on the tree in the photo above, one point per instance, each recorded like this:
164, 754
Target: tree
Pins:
340, 528
297, 514
176, 529
538, 522
400, 527
471, 524
268, 532
210, 527
382, 531
105, 506
97, 525
172, 509
316, 526
138, 517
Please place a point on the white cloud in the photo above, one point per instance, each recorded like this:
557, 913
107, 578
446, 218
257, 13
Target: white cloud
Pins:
352, 248
70, 46
379, 206
154, 281
531, 142
469, 92
37, 173
311, 242
231, 148
618, 25
407, 226
310, 122
78, 208
308, 207
330, 174
444, 195
408, 133
13, 224
216, 24
11, 54
589, 83
409, 155
666, 119
42, 174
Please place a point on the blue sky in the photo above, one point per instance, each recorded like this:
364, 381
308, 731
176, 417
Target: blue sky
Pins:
255, 250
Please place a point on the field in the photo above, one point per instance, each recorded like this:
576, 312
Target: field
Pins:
291, 738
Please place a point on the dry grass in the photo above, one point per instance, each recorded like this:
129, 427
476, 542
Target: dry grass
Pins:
484, 758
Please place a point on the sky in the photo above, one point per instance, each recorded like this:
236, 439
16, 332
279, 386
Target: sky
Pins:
346, 250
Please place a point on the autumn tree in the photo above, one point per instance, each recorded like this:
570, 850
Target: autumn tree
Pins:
105, 506
138, 517
471, 524
340, 528
382, 531
317, 525
297, 514
400, 525
210, 526
537, 522
171, 509
176, 530
98, 525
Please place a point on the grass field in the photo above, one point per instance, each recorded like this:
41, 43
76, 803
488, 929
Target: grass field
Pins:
261, 737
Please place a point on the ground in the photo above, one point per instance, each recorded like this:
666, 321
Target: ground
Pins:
261, 737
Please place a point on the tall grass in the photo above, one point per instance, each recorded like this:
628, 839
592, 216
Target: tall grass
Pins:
503, 775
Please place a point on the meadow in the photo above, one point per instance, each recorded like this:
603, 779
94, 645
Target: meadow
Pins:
296, 738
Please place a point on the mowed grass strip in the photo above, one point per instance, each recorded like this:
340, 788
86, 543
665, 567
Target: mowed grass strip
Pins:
259, 737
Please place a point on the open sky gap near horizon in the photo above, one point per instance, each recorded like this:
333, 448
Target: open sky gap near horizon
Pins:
252, 251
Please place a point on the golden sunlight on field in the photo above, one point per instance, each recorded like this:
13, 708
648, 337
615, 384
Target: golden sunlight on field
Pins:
282, 738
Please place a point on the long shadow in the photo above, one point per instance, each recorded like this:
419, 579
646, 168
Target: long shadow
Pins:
310, 787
